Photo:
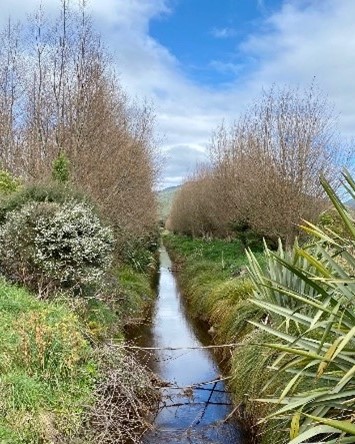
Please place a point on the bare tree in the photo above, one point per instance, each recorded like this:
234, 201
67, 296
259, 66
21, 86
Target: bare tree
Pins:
266, 166
59, 93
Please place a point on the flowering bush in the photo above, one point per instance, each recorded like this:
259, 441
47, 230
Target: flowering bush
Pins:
47, 244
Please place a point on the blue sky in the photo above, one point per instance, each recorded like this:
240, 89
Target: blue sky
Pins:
203, 61
205, 36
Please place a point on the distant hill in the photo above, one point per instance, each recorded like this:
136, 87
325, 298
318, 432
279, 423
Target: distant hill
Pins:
165, 200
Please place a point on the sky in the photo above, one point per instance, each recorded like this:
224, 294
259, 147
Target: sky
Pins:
201, 62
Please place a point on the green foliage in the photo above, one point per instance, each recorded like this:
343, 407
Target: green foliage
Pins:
214, 279
231, 309
61, 168
39, 193
137, 294
8, 183
136, 254
314, 331
247, 236
47, 374
276, 271
227, 255
250, 371
331, 222
101, 319
46, 244
212, 273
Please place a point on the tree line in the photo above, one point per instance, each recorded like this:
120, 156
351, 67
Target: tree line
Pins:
264, 169
59, 94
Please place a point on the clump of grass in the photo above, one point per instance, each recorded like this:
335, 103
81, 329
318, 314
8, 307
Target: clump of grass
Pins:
231, 309
137, 294
250, 373
46, 366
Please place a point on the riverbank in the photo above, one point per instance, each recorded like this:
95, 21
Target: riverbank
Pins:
60, 380
213, 278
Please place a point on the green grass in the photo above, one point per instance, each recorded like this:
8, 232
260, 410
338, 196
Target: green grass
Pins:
48, 369
227, 255
211, 271
124, 300
47, 373
137, 294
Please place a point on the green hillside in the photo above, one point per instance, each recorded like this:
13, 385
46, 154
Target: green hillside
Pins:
165, 200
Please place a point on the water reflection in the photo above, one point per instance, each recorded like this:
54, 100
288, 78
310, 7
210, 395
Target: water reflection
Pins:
195, 405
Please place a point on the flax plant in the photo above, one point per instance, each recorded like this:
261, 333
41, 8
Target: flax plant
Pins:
309, 294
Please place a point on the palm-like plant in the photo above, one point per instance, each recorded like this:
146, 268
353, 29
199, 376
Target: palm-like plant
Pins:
310, 296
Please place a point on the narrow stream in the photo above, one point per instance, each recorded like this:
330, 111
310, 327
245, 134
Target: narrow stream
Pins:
193, 408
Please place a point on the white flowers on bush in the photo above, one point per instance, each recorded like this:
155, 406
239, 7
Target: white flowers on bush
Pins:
64, 243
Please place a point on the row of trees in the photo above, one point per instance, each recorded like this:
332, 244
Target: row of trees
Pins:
264, 170
59, 94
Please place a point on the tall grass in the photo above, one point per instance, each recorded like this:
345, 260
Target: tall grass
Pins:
47, 374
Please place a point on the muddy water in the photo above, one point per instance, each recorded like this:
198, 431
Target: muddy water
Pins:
193, 408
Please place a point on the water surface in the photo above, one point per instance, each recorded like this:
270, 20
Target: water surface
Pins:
195, 405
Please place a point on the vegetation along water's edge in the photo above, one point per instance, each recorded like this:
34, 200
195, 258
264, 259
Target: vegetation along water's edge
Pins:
214, 281
65, 302
290, 314
77, 239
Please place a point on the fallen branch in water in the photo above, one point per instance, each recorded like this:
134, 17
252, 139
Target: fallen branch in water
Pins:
180, 404
200, 347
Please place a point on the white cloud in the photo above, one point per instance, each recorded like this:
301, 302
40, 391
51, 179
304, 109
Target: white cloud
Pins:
223, 33
300, 41
313, 41
225, 67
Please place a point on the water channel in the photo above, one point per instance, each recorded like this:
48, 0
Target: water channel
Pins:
194, 407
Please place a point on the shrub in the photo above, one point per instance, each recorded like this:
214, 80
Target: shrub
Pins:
60, 168
139, 252
39, 193
314, 330
331, 222
46, 244
8, 183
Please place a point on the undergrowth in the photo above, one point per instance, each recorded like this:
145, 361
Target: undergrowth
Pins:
56, 378
47, 373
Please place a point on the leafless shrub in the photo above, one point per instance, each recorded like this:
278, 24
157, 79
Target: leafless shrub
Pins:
124, 400
195, 210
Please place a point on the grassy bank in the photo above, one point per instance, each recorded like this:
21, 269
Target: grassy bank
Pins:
47, 370
55, 364
66, 298
213, 277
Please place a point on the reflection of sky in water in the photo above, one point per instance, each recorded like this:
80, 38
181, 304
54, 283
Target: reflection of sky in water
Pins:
194, 421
